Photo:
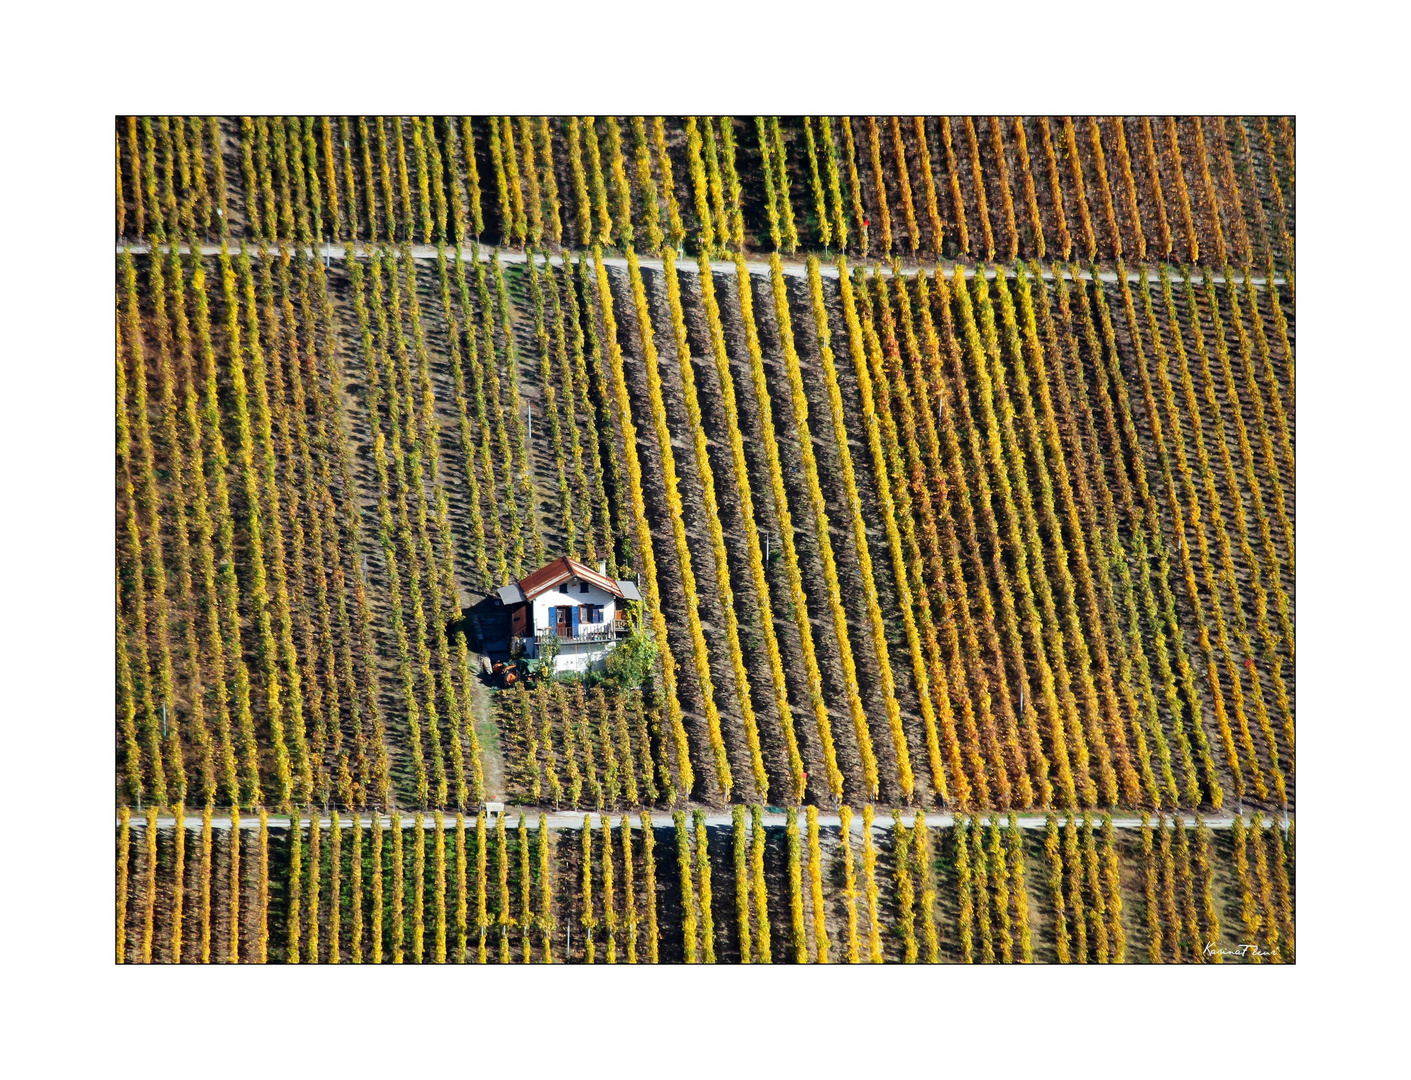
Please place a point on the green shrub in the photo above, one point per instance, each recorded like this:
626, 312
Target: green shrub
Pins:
632, 662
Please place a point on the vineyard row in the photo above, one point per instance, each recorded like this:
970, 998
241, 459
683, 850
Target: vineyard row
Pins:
462, 889
1208, 190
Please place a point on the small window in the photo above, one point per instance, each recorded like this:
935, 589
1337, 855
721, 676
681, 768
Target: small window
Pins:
583, 586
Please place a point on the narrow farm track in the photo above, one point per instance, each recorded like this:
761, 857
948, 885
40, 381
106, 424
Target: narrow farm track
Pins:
586, 818
792, 267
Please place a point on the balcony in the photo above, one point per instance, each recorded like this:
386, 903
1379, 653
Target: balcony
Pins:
590, 632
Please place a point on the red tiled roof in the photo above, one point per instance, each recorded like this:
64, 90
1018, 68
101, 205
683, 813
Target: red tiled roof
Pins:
562, 568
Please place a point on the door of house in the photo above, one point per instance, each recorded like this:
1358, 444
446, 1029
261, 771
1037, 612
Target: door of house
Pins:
564, 623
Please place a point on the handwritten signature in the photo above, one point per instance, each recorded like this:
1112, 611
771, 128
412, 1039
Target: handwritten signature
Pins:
1212, 949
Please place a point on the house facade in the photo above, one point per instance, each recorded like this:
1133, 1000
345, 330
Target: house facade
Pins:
579, 607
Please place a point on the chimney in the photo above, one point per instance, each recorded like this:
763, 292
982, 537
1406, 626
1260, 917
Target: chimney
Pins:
602, 566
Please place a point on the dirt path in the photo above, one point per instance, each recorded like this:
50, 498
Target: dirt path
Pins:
573, 819
793, 266
489, 735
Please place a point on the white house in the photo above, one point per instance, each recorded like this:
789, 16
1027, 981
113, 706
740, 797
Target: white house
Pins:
573, 603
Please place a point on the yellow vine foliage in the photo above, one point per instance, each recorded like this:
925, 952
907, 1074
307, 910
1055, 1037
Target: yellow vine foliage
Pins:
835, 195
977, 176
879, 184
830, 570
904, 184
1109, 207
957, 200
998, 862
700, 187
262, 943
1180, 516
1011, 225
815, 881
621, 189
756, 560
825, 229
650, 885
609, 901
1183, 198
588, 920
849, 881
439, 884
964, 884
742, 880
729, 184
699, 650
1015, 844
1094, 735
703, 878
644, 535
904, 600
599, 188
1203, 871
869, 877
1031, 198
1075, 168
582, 206
798, 933
688, 888
629, 893
758, 886
546, 891
233, 955
1048, 426
786, 210
149, 892
676, 231
854, 190
786, 529
1065, 238
927, 880
124, 842
712, 517
906, 890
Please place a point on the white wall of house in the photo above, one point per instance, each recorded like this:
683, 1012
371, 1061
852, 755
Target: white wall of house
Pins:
582, 657
570, 593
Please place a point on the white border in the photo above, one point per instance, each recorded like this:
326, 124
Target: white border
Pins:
71, 70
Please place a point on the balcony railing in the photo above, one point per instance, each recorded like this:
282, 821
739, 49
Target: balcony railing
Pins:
586, 633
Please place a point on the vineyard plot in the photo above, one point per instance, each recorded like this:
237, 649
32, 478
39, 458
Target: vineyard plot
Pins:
953, 459
619, 889
1123, 367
